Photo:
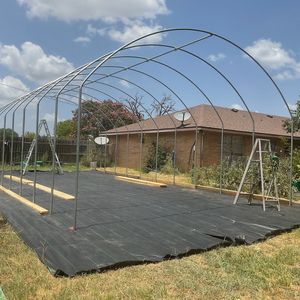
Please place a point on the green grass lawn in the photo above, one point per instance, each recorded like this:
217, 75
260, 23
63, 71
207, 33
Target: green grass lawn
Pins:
267, 270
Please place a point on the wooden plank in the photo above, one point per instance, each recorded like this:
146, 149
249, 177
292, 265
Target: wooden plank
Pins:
35, 207
140, 181
41, 187
243, 194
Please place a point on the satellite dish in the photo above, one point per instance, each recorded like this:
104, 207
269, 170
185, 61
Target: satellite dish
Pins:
101, 140
182, 116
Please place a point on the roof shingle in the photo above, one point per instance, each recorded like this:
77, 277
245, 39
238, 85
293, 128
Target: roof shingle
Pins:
206, 117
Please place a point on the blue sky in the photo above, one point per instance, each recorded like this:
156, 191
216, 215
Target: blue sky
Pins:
43, 39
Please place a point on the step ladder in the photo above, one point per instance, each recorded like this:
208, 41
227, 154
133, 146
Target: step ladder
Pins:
261, 149
43, 123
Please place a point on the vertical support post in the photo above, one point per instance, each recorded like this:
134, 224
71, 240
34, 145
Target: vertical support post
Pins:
11, 148
22, 150
105, 156
195, 157
261, 174
221, 161
156, 155
36, 150
201, 148
141, 154
291, 165
53, 154
3, 149
175, 156
116, 149
77, 158
127, 153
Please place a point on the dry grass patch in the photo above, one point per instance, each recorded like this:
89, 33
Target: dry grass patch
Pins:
180, 179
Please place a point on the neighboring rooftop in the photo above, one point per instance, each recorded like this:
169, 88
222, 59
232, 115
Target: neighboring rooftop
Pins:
206, 118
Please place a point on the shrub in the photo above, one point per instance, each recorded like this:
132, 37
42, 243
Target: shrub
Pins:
168, 167
233, 172
162, 155
95, 153
205, 175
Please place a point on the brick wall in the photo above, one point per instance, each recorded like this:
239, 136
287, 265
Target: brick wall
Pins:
184, 145
208, 148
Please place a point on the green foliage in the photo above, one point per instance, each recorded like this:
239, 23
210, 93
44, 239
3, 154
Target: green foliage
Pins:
205, 175
296, 164
65, 129
8, 133
162, 157
29, 135
168, 167
94, 153
99, 116
233, 172
90, 154
295, 120
210, 176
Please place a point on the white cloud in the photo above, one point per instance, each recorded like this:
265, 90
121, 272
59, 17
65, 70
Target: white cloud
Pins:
82, 39
70, 10
49, 117
131, 31
273, 56
286, 75
292, 106
91, 30
31, 62
11, 88
236, 106
125, 84
216, 57
127, 19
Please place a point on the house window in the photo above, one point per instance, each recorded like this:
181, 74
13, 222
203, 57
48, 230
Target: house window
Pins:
233, 146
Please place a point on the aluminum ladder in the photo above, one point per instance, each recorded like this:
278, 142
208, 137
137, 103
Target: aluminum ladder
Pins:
58, 167
261, 147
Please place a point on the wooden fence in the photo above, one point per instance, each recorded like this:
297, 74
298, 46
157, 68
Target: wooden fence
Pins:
65, 149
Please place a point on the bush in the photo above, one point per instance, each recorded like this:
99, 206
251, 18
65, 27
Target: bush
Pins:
233, 172
205, 175
94, 153
168, 167
162, 155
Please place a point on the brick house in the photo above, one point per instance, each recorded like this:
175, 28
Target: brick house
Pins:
206, 146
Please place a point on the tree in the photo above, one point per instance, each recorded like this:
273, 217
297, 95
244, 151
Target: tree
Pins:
135, 106
8, 133
65, 129
295, 119
29, 135
163, 107
99, 116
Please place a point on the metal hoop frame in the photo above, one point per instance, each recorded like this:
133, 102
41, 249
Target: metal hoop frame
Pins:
89, 80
